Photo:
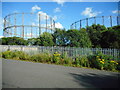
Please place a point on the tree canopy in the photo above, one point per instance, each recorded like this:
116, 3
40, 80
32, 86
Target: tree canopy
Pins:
92, 36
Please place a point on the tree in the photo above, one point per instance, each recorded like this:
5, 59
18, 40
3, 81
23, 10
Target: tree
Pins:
60, 37
13, 41
76, 38
95, 34
46, 39
111, 38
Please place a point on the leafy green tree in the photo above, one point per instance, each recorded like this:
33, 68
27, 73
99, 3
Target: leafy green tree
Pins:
60, 37
95, 34
46, 39
13, 41
78, 38
111, 38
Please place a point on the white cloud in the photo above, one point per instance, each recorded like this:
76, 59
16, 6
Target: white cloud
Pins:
43, 15
89, 12
35, 8
115, 11
57, 10
61, 2
58, 25
1, 36
55, 18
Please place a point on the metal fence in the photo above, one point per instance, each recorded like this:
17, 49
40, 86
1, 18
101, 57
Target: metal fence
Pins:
71, 51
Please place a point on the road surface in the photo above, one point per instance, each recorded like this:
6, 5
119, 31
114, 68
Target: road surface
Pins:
21, 74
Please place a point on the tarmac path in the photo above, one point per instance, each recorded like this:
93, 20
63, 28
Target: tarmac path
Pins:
22, 74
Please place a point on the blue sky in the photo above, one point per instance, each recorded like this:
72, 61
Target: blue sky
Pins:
64, 13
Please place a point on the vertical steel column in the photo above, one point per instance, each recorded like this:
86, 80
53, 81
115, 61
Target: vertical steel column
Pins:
4, 30
71, 26
111, 21
39, 24
103, 20
80, 24
75, 26
31, 23
51, 23
86, 21
54, 24
46, 23
15, 24
94, 20
36, 32
31, 31
117, 20
23, 25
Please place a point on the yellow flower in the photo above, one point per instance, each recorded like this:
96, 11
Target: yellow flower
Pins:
103, 60
112, 61
99, 59
97, 56
117, 63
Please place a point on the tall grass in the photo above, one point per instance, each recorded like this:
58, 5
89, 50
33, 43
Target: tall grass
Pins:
99, 60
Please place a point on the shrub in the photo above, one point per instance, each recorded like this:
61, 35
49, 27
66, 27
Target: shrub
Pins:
101, 61
82, 61
65, 59
42, 57
56, 58
7, 54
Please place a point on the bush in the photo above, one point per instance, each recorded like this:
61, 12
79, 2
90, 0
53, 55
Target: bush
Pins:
82, 61
7, 54
101, 61
42, 57
65, 59
56, 58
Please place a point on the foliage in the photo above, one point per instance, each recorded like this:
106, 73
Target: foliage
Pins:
42, 57
92, 36
46, 39
56, 58
99, 60
13, 41
76, 38
59, 37
15, 55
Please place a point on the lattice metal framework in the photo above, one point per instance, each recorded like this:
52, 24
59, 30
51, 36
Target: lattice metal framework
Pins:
27, 25
107, 21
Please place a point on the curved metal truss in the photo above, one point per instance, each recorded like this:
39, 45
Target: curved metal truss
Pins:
27, 25
107, 21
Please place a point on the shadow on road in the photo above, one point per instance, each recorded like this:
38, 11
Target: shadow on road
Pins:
91, 80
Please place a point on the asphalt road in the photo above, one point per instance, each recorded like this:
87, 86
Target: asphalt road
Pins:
21, 74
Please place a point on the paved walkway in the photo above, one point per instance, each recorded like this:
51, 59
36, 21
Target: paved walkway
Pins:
20, 74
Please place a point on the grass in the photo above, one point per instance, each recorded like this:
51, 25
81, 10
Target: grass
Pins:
89, 62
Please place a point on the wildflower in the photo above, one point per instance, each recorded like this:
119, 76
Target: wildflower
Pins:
117, 63
97, 56
99, 59
112, 61
103, 60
